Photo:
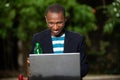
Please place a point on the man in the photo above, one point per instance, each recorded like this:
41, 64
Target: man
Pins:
56, 39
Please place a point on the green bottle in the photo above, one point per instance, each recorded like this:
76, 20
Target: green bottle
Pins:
37, 49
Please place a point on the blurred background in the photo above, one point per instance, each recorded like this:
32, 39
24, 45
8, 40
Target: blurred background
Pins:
97, 20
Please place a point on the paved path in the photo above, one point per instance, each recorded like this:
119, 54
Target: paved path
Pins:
89, 77
102, 77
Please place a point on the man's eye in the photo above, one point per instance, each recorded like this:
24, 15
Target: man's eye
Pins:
50, 23
59, 23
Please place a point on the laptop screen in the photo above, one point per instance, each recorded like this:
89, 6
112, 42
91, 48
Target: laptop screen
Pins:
55, 66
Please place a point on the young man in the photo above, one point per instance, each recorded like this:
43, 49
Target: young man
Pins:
56, 39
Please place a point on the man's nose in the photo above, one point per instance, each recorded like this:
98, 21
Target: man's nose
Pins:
55, 27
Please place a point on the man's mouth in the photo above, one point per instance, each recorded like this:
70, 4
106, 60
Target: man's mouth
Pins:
55, 31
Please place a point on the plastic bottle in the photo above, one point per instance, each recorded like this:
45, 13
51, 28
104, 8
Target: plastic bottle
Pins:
37, 49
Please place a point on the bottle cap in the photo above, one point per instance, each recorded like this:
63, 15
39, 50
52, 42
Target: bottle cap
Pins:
37, 44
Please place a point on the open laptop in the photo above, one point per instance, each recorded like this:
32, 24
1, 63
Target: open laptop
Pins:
64, 66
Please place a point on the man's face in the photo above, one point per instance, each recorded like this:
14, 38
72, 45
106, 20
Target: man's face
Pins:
55, 22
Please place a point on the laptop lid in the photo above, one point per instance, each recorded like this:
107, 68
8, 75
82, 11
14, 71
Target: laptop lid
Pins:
55, 66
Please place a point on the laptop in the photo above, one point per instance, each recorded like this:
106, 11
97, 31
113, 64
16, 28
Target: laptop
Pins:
64, 66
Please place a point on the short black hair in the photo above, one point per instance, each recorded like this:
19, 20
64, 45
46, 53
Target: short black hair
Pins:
56, 8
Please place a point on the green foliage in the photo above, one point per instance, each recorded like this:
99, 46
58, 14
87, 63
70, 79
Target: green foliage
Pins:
27, 17
82, 19
113, 11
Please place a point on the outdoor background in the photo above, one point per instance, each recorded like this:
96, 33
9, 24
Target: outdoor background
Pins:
97, 20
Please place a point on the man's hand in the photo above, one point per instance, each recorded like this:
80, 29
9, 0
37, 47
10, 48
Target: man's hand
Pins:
28, 67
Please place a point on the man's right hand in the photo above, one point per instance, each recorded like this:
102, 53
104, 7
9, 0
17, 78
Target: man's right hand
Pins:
28, 67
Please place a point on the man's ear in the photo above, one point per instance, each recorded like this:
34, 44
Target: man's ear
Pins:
45, 18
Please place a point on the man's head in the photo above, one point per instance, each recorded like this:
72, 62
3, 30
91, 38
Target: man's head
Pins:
55, 18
